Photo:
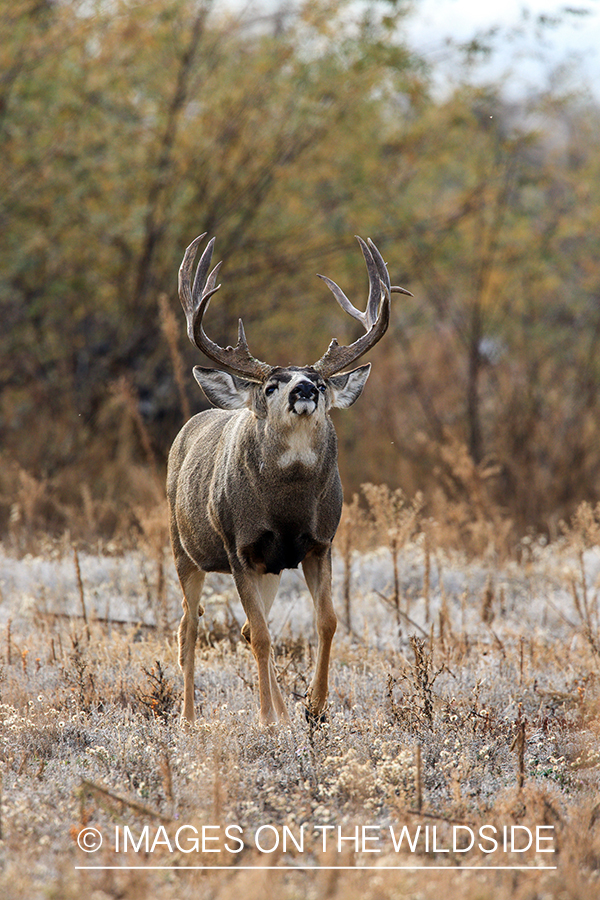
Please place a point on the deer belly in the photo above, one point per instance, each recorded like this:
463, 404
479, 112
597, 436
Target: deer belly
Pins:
282, 548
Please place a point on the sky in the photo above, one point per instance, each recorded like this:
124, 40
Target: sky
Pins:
527, 56
573, 45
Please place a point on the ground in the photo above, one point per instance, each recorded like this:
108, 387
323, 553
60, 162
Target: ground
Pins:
464, 708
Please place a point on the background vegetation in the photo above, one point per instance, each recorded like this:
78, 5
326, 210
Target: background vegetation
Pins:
128, 128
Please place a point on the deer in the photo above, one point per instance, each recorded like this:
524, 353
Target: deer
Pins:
253, 484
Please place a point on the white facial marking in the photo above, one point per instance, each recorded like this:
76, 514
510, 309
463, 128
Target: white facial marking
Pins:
304, 407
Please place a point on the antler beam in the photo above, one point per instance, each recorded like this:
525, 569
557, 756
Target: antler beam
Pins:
238, 360
375, 318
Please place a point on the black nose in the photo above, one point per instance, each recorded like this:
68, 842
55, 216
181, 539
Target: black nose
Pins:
304, 390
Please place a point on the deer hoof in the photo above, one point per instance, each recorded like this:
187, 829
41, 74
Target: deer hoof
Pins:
315, 718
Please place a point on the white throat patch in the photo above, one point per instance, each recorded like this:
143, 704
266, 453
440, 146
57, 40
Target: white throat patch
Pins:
298, 450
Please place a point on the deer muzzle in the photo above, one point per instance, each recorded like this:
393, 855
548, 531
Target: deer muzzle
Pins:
304, 398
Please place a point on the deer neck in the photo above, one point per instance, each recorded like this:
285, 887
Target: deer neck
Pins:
300, 443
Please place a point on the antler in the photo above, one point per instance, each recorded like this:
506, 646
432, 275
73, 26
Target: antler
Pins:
195, 300
375, 318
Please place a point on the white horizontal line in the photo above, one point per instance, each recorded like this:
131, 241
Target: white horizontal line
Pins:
333, 868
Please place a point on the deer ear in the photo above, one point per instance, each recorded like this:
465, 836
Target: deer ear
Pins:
223, 389
348, 387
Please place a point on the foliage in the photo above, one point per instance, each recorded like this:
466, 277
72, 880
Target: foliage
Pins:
126, 129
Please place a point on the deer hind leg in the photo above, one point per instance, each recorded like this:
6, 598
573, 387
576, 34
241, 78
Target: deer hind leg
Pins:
317, 571
192, 581
257, 593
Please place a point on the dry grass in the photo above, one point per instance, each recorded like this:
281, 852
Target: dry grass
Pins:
482, 709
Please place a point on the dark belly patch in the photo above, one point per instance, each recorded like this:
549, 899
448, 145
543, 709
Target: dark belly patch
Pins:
275, 551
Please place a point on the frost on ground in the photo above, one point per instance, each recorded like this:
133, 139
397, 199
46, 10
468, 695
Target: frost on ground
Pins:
535, 596
466, 695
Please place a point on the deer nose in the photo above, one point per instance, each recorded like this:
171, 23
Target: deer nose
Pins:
304, 390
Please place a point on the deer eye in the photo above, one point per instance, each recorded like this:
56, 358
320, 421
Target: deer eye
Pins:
322, 388
270, 389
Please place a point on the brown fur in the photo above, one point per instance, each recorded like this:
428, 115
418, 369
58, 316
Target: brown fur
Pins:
253, 486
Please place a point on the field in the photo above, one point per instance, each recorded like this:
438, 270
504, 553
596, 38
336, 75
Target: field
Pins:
464, 708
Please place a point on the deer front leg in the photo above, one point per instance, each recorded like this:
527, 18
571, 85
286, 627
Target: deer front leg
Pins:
317, 571
257, 593
191, 583
267, 587
278, 701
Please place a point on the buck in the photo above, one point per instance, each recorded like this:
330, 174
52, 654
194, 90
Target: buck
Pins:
253, 486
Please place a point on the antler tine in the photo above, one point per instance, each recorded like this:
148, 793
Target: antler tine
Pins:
368, 317
383, 272
375, 265
212, 278
198, 289
337, 358
375, 318
343, 300
238, 360
185, 293
380, 264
